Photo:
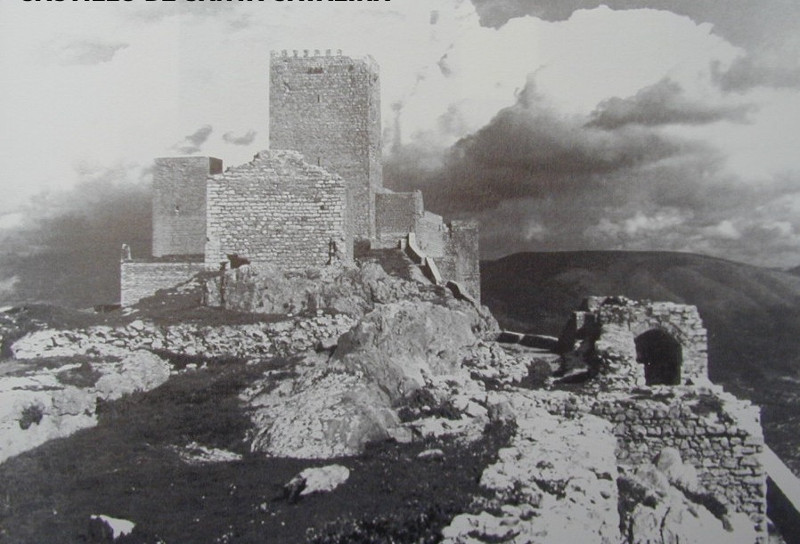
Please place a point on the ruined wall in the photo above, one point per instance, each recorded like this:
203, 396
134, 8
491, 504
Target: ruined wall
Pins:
142, 279
396, 214
612, 324
718, 434
179, 204
328, 108
278, 209
462, 250
432, 235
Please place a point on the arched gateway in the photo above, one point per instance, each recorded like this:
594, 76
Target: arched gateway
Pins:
662, 357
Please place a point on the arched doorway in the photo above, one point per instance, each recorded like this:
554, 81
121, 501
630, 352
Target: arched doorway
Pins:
661, 355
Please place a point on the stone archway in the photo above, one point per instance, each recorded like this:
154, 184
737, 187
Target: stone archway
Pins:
662, 357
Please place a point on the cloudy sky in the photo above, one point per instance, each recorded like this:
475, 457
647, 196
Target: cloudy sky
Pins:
559, 124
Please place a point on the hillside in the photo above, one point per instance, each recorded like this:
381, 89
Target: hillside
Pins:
752, 314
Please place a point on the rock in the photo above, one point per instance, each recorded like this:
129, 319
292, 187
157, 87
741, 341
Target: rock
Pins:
334, 406
105, 528
431, 454
681, 474
501, 412
656, 508
316, 480
40, 404
553, 484
196, 454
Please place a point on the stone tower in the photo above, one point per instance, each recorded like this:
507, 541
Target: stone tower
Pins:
179, 204
328, 108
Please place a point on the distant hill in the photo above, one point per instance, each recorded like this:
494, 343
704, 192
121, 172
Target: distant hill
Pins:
752, 313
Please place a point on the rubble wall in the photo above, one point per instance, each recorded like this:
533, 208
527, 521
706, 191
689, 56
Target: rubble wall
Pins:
714, 431
142, 279
278, 210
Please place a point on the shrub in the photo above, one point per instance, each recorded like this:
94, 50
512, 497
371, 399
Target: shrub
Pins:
30, 415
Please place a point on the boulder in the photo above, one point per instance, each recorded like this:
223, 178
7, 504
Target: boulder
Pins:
553, 484
333, 406
317, 480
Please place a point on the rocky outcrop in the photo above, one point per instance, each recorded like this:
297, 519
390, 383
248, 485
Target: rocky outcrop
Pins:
334, 406
553, 484
663, 504
275, 338
41, 403
350, 290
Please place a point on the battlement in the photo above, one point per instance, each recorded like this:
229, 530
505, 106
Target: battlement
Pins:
328, 55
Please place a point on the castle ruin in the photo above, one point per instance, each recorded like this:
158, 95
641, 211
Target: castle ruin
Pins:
314, 199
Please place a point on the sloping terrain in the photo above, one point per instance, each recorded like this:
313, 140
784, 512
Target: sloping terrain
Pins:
752, 315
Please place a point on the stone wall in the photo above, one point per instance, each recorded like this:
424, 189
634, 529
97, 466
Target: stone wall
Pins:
328, 108
718, 434
179, 204
396, 214
142, 279
463, 252
610, 327
278, 210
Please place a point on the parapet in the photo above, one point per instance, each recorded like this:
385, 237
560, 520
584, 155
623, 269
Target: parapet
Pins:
316, 54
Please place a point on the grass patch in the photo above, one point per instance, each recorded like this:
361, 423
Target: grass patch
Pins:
83, 376
127, 468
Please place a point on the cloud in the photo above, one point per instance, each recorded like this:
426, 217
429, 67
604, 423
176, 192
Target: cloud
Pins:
767, 30
66, 250
245, 139
661, 104
194, 140
528, 150
84, 52
743, 22
758, 70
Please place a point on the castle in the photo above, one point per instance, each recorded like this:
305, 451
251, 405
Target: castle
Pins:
316, 198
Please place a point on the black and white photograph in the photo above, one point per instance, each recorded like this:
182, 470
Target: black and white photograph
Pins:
400, 271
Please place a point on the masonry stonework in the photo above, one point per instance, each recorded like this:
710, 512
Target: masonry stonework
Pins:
616, 329
278, 209
179, 204
396, 215
328, 108
716, 433
139, 280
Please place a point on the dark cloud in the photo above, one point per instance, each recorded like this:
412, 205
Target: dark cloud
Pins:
193, 142
539, 181
245, 139
526, 150
85, 52
67, 249
661, 104
760, 70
